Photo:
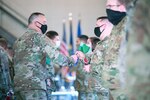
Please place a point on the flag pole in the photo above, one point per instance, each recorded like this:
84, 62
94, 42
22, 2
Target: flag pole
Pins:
71, 51
63, 46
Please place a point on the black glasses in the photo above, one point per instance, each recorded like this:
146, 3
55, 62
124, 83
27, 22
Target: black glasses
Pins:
40, 23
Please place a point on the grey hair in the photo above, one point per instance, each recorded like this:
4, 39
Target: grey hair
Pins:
33, 16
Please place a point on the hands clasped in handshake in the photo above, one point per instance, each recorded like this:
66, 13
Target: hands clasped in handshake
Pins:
80, 55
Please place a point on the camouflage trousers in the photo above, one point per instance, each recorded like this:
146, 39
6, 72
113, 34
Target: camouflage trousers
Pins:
119, 95
104, 94
87, 96
31, 95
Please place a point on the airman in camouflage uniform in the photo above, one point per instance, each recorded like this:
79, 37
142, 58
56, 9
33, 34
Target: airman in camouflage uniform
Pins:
81, 82
102, 30
94, 78
31, 50
104, 70
138, 48
110, 48
116, 13
110, 67
5, 78
55, 42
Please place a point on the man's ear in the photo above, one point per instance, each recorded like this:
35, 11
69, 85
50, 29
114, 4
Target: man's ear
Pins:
122, 8
98, 23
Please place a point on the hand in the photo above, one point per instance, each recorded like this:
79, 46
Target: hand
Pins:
75, 58
80, 54
48, 82
87, 68
64, 71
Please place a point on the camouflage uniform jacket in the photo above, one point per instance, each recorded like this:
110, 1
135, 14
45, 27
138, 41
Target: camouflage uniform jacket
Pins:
104, 58
111, 52
29, 60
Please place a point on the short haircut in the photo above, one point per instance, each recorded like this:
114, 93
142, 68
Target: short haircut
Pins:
51, 34
33, 16
94, 41
102, 17
83, 38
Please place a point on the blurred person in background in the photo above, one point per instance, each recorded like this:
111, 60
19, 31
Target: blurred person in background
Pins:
6, 72
137, 57
81, 38
96, 68
94, 41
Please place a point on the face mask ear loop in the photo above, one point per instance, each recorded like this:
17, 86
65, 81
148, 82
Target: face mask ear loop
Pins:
103, 29
39, 23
